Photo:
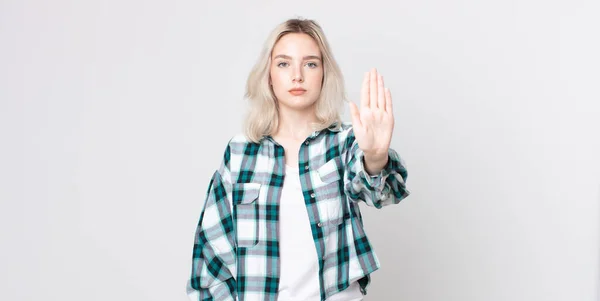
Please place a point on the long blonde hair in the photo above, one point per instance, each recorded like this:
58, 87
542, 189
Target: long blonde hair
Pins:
262, 117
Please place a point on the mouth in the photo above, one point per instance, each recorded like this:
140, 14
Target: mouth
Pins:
297, 92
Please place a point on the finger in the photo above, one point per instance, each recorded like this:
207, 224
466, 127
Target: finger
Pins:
380, 93
373, 89
388, 101
364, 93
354, 113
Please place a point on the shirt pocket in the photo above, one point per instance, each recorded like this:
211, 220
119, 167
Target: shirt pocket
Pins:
330, 197
245, 213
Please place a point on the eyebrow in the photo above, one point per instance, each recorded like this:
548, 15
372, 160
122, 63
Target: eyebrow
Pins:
308, 57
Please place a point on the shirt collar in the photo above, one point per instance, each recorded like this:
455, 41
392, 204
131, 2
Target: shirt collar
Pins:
334, 127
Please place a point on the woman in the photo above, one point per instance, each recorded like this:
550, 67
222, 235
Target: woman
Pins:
281, 220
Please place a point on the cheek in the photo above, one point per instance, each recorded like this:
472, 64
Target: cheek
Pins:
317, 81
275, 79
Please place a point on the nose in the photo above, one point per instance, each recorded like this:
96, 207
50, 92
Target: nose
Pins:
297, 75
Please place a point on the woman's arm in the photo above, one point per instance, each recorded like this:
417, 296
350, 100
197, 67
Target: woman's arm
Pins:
374, 172
385, 188
214, 265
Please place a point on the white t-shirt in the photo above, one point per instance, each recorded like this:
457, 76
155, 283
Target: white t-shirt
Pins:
299, 276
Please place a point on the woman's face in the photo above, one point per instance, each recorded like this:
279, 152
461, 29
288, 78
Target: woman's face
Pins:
296, 63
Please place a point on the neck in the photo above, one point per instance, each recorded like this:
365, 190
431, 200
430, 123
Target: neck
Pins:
295, 125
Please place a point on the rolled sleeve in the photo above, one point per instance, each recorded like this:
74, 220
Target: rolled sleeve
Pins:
386, 188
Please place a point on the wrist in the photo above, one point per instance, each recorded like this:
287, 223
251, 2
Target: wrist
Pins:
374, 164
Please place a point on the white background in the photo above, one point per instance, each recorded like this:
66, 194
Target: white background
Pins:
114, 114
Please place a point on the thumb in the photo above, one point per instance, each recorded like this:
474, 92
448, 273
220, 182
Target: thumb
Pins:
355, 114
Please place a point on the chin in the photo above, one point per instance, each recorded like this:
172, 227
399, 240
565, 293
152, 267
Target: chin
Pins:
299, 103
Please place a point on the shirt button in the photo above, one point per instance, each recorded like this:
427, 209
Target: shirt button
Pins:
319, 225
306, 142
312, 195
306, 167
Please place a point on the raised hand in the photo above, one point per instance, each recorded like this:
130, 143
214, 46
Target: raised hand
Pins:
373, 123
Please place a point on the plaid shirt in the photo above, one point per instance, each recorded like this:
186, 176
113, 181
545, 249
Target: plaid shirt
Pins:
236, 249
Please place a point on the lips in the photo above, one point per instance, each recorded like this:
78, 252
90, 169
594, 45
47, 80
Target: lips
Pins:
297, 91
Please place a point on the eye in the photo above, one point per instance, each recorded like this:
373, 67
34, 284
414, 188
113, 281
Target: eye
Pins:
312, 64
279, 64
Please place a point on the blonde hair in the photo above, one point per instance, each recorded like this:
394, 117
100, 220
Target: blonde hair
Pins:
262, 117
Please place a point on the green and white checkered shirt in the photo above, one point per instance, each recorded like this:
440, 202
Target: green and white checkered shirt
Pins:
236, 248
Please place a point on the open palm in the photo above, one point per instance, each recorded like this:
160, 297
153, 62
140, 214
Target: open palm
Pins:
373, 123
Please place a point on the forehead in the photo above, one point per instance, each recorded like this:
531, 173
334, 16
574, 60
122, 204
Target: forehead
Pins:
296, 44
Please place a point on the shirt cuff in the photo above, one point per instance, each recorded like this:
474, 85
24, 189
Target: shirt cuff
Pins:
374, 181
